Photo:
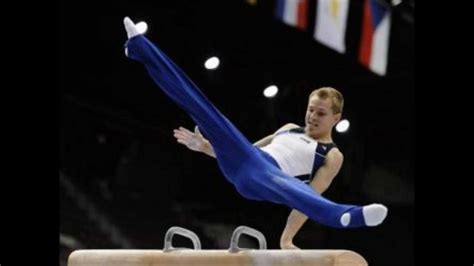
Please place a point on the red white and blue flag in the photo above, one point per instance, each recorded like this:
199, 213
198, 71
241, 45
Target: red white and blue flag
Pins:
293, 12
375, 37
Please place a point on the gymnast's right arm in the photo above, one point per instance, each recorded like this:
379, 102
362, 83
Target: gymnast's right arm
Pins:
196, 142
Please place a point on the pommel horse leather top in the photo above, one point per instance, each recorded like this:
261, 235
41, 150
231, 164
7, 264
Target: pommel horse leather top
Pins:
171, 256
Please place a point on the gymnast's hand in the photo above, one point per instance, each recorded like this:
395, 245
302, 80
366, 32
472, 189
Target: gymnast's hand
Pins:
193, 140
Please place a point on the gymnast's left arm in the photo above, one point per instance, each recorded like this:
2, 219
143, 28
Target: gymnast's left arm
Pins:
321, 182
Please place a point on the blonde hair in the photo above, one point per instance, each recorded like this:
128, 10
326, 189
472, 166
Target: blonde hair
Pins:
336, 98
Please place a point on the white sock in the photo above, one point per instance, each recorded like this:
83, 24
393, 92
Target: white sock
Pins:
346, 219
130, 27
374, 214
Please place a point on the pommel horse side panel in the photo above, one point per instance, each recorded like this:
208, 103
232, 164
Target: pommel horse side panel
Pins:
235, 255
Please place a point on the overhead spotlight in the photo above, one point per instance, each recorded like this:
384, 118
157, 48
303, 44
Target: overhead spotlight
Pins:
270, 91
212, 63
142, 27
396, 2
342, 126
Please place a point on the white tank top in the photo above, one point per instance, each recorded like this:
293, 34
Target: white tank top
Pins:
294, 152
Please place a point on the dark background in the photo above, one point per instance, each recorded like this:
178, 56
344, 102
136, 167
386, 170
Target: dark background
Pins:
124, 180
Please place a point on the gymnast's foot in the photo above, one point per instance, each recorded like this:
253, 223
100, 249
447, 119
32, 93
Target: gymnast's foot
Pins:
370, 215
133, 29
130, 27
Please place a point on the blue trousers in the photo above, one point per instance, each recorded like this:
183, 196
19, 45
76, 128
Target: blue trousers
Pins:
253, 172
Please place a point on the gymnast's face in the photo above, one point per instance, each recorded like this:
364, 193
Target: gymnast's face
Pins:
320, 118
